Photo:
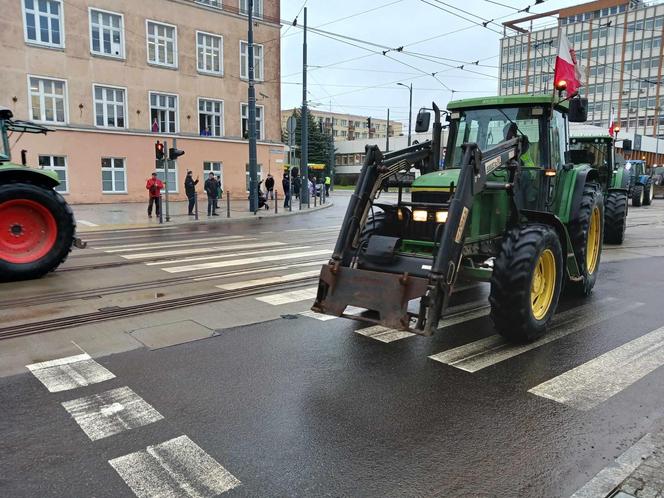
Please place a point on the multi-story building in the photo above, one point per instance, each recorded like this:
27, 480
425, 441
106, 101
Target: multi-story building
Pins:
113, 76
618, 42
349, 126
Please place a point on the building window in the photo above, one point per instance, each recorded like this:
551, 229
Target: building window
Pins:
163, 113
260, 174
110, 107
48, 100
244, 112
170, 184
211, 3
244, 61
162, 44
43, 22
211, 117
258, 7
216, 167
106, 37
209, 50
113, 175
59, 165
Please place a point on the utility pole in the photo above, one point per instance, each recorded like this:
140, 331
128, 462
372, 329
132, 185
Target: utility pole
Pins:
166, 183
304, 155
410, 107
253, 161
387, 135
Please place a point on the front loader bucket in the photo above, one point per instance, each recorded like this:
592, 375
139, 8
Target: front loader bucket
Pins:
385, 293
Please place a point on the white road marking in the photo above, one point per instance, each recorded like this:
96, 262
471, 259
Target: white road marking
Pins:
607, 479
71, 372
208, 257
86, 223
597, 380
384, 334
260, 270
171, 243
245, 261
318, 316
494, 349
173, 469
200, 250
268, 280
464, 316
112, 412
289, 297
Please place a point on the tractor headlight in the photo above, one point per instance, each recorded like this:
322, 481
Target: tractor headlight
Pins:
420, 215
441, 216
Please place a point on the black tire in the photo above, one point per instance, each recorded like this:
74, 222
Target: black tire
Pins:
579, 234
64, 224
512, 281
648, 193
637, 195
615, 217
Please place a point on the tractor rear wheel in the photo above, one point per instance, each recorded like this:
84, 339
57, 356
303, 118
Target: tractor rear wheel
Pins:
615, 217
586, 234
648, 192
526, 282
637, 195
36, 231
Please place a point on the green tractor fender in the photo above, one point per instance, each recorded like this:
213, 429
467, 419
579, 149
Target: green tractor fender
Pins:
570, 191
15, 173
619, 180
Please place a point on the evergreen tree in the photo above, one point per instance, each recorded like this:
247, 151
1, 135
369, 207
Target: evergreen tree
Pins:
318, 140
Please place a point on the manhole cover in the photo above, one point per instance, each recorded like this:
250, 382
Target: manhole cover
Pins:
289, 317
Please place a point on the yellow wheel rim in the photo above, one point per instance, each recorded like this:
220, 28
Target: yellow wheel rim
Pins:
592, 245
543, 285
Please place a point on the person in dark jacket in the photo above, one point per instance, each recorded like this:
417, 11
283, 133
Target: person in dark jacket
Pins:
285, 185
219, 191
190, 190
211, 191
269, 186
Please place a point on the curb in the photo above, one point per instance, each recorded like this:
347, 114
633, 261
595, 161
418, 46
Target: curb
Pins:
188, 221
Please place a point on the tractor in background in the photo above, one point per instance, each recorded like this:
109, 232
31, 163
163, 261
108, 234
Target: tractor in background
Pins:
641, 183
507, 209
37, 227
599, 152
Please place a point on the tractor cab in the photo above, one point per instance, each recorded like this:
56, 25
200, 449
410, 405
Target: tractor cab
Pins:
597, 151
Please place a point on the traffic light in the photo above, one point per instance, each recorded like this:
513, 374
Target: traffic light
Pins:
159, 151
369, 123
174, 153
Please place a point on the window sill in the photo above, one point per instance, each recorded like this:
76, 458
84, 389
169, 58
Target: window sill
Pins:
256, 79
101, 127
210, 73
114, 193
57, 48
108, 56
162, 66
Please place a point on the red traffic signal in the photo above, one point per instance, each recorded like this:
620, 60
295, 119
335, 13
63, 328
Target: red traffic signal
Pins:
159, 151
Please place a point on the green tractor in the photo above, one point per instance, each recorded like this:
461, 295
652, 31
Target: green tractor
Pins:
37, 227
598, 151
507, 209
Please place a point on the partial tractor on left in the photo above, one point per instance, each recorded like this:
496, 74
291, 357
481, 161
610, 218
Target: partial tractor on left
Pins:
37, 226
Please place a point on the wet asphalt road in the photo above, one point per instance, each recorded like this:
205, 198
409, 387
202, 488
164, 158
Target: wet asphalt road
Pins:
301, 407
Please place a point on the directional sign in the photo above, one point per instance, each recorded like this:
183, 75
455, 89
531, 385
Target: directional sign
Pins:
290, 126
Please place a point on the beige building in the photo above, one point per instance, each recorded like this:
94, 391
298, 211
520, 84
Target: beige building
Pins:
113, 76
349, 126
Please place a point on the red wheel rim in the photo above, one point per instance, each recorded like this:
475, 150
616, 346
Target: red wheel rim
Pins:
27, 231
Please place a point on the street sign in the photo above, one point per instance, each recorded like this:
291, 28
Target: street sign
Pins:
318, 167
291, 125
278, 161
276, 151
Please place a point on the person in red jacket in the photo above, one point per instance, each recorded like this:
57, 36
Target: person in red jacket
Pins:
154, 186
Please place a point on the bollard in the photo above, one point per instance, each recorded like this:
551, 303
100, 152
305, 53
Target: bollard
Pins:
196, 206
228, 204
161, 212
315, 196
276, 201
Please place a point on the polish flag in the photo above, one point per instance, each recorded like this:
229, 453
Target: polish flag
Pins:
612, 123
567, 73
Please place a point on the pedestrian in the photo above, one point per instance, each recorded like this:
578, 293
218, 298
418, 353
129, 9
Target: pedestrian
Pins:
190, 190
269, 186
297, 183
285, 185
312, 186
211, 191
219, 192
154, 186
328, 182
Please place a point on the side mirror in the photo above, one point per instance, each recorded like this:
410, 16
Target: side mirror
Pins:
578, 110
422, 122
627, 145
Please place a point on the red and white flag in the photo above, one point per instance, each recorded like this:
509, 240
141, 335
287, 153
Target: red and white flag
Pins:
567, 73
612, 122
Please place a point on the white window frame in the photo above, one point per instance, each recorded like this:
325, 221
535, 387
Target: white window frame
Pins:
177, 111
221, 54
261, 128
206, 172
244, 67
113, 169
35, 13
222, 124
244, 9
64, 168
122, 34
215, 4
66, 100
161, 174
126, 107
147, 44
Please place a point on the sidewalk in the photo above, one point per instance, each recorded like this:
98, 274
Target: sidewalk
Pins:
95, 217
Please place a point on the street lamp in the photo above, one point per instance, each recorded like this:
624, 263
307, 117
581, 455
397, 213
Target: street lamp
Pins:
410, 107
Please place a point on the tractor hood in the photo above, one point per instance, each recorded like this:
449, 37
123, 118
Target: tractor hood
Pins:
436, 180
13, 171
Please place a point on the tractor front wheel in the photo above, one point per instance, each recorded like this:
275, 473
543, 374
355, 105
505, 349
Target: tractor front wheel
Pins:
615, 217
637, 196
526, 282
36, 231
648, 193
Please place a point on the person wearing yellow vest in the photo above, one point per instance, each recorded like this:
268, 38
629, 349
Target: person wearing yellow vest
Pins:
328, 182
509, 132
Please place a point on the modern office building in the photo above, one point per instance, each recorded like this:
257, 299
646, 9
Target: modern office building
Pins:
349, 126
113, 76
618, 43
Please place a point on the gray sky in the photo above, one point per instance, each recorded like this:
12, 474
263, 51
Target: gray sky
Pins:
394, 23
